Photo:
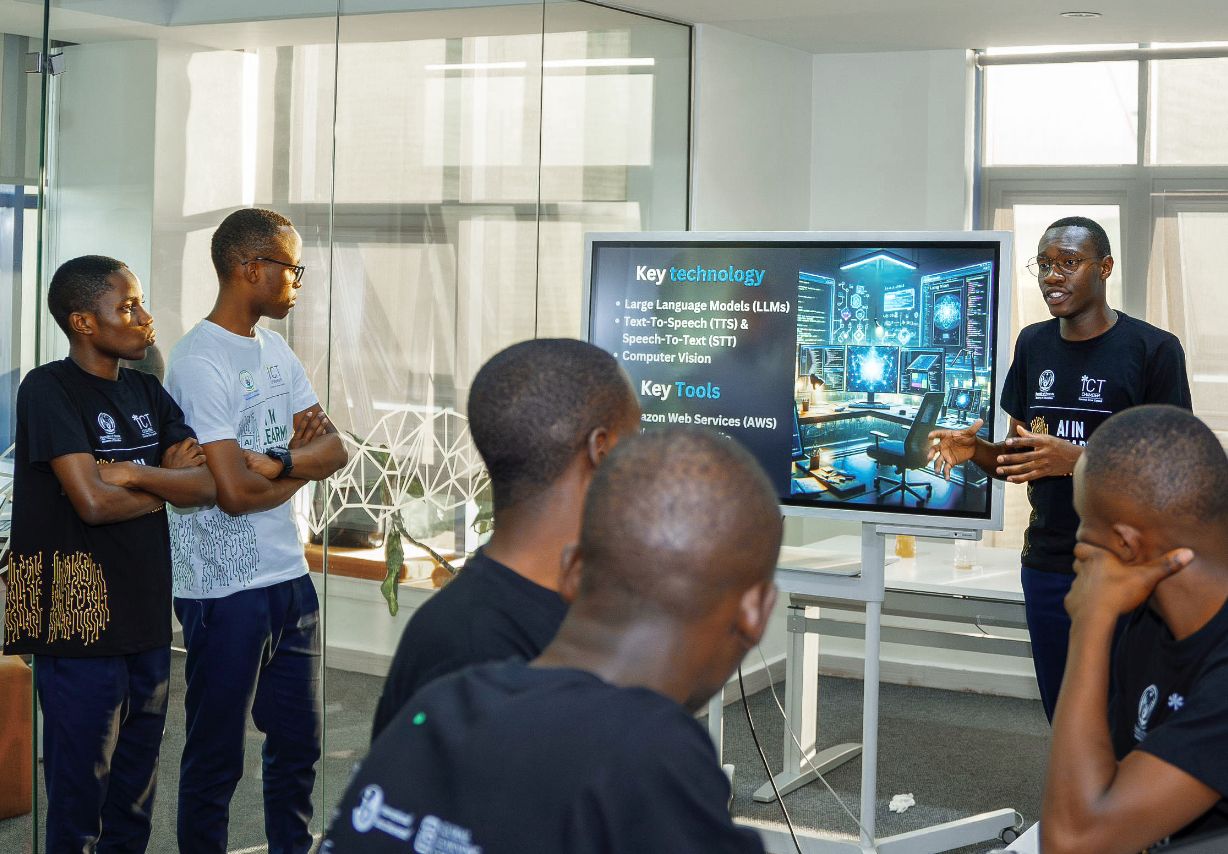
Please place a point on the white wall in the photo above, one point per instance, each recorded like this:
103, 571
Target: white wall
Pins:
750, 171
102, 186
751, 147
892, 140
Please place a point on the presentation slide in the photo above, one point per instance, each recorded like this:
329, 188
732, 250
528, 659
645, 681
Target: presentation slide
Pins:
830, 360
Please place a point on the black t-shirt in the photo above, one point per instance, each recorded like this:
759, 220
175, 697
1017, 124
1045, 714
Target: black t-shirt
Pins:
504, 758
1172, 701
79, 590
487, 613
1068, 389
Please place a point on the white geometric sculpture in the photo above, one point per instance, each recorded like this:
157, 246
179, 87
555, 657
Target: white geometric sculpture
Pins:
413, 454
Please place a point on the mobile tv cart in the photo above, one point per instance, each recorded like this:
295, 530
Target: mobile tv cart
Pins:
868, 587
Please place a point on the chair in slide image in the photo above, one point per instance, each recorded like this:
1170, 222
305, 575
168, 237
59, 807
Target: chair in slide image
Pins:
911, 453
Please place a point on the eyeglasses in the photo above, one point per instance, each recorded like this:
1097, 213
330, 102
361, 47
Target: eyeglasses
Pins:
297, 268
1042, 267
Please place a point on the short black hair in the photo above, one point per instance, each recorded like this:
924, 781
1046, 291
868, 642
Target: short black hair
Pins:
675, 519
533, 406
1185, 464
244, 235
1100, 238
78, 285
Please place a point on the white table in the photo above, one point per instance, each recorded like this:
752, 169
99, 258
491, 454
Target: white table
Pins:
846, 570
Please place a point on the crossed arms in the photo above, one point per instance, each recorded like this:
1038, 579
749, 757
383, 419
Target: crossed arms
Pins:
116, 492
248, 482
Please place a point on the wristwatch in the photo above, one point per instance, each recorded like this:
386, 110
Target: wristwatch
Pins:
282, 455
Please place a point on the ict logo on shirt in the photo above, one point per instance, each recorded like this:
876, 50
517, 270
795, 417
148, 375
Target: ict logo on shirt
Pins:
145, 424
109, 429
1146, 706
1091, 390
274, 372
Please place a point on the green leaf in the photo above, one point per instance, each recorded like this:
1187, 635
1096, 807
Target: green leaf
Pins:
484, 521
379, 453
415, 489
394, 558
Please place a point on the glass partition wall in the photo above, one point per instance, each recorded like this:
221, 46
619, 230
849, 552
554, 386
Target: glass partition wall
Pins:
442, 162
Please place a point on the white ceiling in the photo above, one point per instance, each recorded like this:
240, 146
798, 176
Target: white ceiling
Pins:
815, 26
836, 26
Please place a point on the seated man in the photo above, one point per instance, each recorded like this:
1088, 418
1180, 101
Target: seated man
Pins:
1149, 764
593, 746
543, 414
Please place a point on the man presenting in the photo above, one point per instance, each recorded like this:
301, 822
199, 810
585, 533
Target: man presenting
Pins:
1069, 374
250, 615
1145, 763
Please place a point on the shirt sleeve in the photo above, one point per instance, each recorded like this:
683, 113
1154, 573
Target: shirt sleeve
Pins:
174, 426
205, 398
53, 423
1165, 379
1193, 738
680, 801
302, 395
1014, 401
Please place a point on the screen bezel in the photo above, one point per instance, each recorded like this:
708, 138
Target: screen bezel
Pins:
1002, 244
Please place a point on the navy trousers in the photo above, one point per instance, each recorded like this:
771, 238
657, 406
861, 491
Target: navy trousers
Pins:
258, 652
102, 730
1049, 629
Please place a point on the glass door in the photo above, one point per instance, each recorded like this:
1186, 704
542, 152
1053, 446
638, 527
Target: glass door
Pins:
1186, 294
442, 167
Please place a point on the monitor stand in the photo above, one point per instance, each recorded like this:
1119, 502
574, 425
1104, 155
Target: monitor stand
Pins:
868, 403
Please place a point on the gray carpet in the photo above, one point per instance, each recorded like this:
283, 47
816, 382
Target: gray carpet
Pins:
957, 754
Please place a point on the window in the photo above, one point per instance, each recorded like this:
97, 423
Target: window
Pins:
1156, 179
1060, 115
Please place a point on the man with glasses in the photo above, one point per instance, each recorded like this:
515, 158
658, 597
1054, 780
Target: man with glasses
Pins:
1068, 376
251, 619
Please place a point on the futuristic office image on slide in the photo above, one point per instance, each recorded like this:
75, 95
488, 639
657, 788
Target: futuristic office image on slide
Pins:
892, 344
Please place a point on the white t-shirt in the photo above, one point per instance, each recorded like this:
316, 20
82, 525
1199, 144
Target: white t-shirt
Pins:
247, 389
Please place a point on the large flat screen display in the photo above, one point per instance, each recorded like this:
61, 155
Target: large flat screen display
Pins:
830, 356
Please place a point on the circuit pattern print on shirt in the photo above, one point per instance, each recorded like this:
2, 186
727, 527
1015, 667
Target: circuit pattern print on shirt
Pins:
79, 606
23, 610
226, 546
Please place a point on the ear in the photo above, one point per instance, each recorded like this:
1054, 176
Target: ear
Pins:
570, 572
754, 611
82, 322
1129, 542
247, 273
1106, 266
600, 443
